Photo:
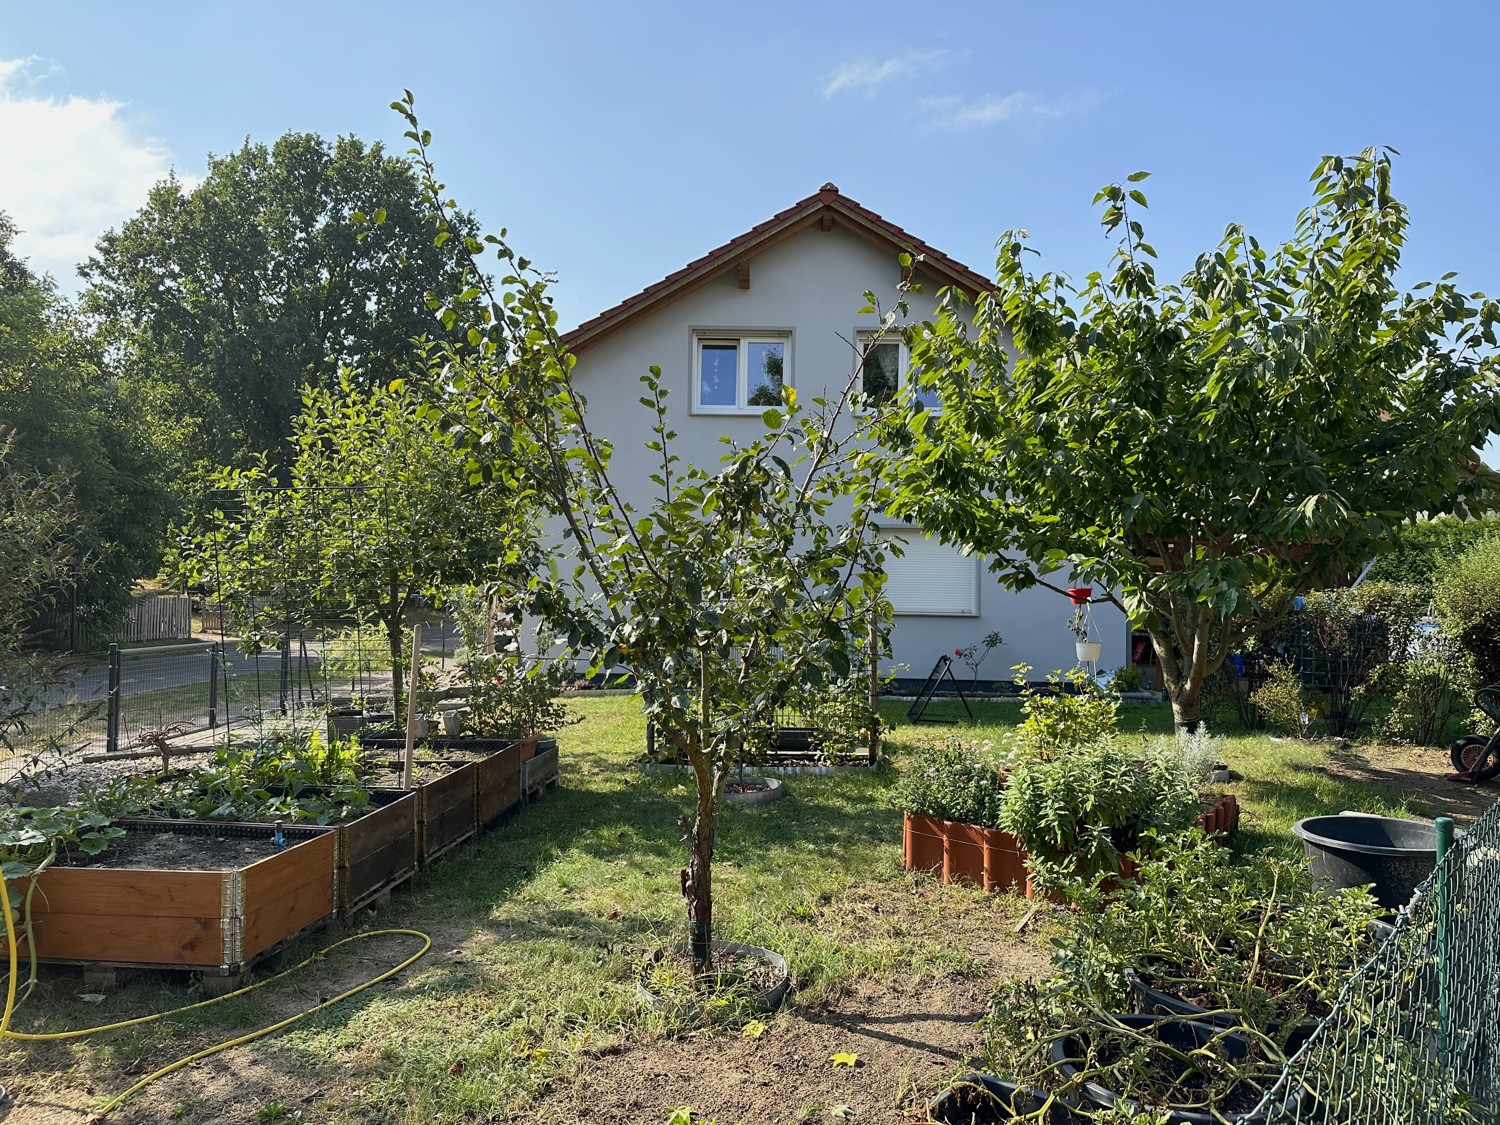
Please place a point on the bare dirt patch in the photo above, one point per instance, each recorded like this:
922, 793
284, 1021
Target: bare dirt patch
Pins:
909, 1032
1418, 773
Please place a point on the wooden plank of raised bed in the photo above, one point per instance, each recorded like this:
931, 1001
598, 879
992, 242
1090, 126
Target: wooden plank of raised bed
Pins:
446, 812
287, 892
189, 942
379, 851
377, 829
128, 890
497, 784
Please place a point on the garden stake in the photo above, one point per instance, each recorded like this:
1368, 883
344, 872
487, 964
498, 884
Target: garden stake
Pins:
411, 704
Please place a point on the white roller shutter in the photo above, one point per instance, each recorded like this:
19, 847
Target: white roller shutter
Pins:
931, 578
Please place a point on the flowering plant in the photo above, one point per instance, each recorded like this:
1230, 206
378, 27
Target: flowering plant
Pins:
975, 655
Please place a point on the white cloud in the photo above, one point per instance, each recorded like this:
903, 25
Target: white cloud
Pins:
867, 75
73, 168
961, 114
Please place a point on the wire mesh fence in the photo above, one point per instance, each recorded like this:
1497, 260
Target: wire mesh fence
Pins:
1415, 1035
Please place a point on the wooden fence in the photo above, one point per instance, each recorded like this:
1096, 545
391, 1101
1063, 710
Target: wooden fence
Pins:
159, 618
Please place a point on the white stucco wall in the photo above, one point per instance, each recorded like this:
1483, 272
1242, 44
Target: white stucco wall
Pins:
810, 285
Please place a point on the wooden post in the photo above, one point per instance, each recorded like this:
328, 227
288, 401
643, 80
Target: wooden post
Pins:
411, 705
112, 716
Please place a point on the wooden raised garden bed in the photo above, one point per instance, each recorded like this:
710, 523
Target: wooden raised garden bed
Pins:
377, 851
217, 920
497, 772
995, 860
446, 814
540, 773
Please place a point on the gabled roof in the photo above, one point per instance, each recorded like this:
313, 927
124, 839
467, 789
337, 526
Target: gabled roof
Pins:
825, 208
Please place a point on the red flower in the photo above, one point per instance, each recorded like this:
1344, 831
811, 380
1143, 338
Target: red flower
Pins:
958, 652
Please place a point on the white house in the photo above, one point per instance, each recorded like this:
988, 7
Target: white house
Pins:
781, 302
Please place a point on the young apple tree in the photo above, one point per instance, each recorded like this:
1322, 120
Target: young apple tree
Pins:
720, 590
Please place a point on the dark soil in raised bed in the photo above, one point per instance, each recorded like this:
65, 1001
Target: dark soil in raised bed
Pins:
173, 851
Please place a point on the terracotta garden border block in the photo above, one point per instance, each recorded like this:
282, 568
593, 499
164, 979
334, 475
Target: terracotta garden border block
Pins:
219, 920
994, 860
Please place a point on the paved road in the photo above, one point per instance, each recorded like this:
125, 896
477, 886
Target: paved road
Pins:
150, 669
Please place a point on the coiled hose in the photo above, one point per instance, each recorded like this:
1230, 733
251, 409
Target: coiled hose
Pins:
120, 1099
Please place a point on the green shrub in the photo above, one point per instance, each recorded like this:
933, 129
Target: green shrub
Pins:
1467, 598
1127, 677
1072, 712
506, 697
1255, 937
959, 781
1283, 702
1355, 636
1430, 694
1426, 548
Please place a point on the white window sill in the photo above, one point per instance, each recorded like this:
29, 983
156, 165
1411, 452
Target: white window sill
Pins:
734, 411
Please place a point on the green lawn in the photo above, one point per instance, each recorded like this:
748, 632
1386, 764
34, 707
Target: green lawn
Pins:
540, 932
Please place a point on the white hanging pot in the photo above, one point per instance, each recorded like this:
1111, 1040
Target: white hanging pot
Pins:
1088, 651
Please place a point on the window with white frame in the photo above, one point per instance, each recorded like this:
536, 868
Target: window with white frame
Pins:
739, 372
886, 368
929, 578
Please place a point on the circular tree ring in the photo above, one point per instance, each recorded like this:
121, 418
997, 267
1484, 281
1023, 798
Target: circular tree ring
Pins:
757, 791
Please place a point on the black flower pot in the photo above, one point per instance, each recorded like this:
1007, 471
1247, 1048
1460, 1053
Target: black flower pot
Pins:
977, 1098
1069, 1053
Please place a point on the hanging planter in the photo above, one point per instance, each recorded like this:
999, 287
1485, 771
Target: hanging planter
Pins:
1088, 651
1081, 595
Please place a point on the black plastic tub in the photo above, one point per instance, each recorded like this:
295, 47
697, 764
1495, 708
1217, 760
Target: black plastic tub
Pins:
977, 1098
1394, 855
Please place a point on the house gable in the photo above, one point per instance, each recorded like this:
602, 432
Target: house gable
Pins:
826, 210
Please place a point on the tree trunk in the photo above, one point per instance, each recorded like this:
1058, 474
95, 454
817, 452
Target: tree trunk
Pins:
1191, 642
697, 878
398, 661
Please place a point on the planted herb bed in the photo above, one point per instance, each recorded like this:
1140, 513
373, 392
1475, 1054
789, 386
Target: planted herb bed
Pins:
995, 860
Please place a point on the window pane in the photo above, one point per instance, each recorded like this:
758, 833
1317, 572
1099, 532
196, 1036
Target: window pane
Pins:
928, 397
718, 364
766, 371
882, 371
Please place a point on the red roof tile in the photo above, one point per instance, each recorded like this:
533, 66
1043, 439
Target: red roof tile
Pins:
827, 200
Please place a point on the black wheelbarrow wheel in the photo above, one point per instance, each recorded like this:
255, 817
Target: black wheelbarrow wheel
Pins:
1469, 757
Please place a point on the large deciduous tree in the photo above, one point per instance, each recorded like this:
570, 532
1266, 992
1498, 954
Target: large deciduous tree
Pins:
1203, 448
221, 301
66, 417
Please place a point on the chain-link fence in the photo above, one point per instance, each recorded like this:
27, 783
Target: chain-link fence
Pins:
1414, 1038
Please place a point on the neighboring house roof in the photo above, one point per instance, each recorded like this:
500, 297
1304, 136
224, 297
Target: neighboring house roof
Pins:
825, 208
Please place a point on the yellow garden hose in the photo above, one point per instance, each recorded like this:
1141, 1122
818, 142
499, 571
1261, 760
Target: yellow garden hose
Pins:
119, 1099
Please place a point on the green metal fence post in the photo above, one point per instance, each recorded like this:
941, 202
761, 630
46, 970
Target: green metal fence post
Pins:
1444, 830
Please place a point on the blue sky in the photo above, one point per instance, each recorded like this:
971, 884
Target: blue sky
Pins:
619, 141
